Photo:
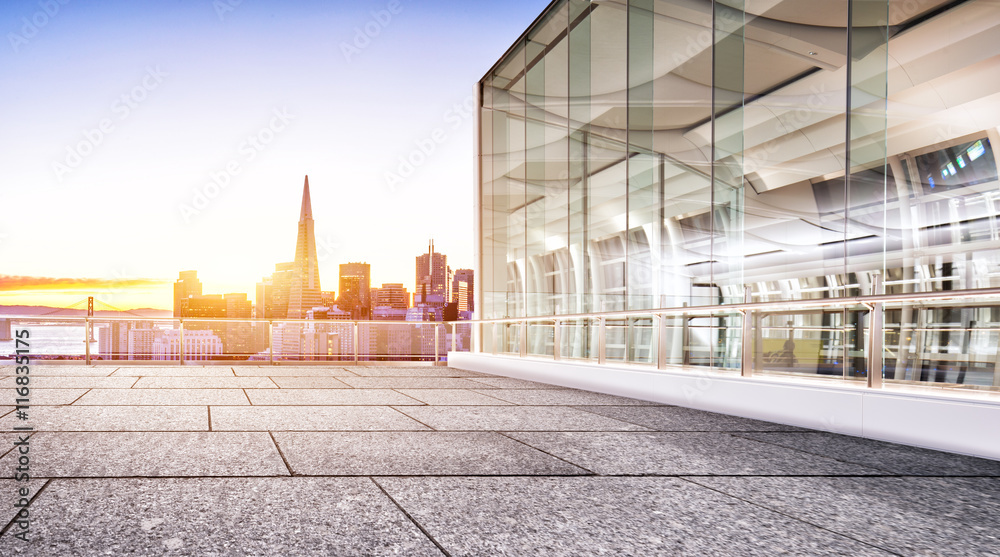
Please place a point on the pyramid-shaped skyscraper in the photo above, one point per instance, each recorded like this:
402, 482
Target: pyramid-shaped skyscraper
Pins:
305, 291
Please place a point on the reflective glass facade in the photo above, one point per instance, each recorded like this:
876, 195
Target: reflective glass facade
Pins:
643, 154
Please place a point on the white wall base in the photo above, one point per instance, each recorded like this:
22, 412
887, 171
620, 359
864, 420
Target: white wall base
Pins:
954, 422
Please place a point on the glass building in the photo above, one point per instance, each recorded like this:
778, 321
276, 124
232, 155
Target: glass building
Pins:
642, 155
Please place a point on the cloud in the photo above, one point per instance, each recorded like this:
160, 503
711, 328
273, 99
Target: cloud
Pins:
14, 283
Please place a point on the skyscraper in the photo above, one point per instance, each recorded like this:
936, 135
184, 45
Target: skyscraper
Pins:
355, 289
463, 277
433, 278
305, 290
187, 285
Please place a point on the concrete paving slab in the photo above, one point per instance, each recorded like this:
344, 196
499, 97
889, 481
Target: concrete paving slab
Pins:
893, 458
296, 371
909, 516
415, 453
603, 516
678, 418
309, 383
328, 397
4, 410
679, 454
41, 370
10, 495
114, 418
513, 418
494, 382
118, 454
428, 371
7, 440
163, 397
562, 397
218, 516
42, 397
311, 418
175, 371
411, 382
454, 397
50, 382
205, 383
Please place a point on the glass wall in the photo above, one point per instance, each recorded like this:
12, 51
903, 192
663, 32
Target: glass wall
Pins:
643, 154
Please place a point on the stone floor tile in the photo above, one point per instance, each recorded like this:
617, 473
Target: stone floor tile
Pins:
513, 418
454, 397
50, 382
311, 418
678, 418
411, 382
175, 371
219, 516
164, 397
909, 516
679, 454
399, 371
603, 516
117, 454
309, 383
497, 382
42, 397
10, 495
43, 370
328, 397
890, 457
205, 383
562, 397
292, 371
113, 418
415, 453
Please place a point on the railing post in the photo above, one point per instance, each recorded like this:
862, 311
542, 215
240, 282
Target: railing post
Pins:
270, 342
493, 342
437, 351
180, 342
746, 350
602, 340
86, 339
875, 334
354, 342
522, 339
556, 340
454, 336
661, 341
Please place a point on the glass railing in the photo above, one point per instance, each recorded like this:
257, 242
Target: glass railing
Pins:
191, 341
947, 338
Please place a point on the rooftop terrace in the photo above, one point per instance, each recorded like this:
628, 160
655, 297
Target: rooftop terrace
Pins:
215, 460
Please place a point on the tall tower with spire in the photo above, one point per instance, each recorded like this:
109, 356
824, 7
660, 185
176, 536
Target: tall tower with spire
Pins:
304, 293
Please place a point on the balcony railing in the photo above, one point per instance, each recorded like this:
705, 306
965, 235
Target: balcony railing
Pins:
946, 338
187, 340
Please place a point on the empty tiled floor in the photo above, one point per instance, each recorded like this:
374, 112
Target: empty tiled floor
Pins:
316, 460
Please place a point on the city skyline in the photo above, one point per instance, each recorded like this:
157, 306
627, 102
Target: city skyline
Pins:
140, 151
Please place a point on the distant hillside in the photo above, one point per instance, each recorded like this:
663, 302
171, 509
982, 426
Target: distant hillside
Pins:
31, 311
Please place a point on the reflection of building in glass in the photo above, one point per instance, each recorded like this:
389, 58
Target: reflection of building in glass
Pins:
304, 293
660, 153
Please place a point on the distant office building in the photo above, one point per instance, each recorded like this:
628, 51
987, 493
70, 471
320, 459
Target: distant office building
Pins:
328, 298
239, 334
112, 338
433, 278
198, 345
355, 289
304, 293
140, 344
463, 277
273, 292
186, 286
390, 295
5, 329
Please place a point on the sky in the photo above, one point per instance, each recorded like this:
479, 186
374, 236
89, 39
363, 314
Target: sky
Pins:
144, 138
